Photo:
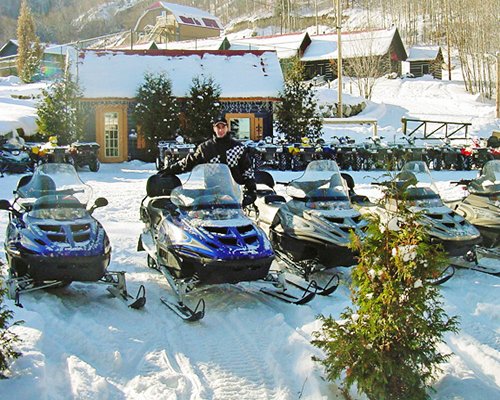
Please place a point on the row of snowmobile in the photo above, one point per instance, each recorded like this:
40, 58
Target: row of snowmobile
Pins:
196, 233
371, 154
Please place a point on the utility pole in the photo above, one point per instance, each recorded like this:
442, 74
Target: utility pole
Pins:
339, 59
496, 56
447, 21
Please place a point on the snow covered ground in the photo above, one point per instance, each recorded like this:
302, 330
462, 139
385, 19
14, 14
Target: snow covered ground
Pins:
78, 343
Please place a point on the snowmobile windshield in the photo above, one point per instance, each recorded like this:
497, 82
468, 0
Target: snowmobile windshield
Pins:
423, 197
58, 207
488, 183
209, 187
419, 170
55, 179
323, 175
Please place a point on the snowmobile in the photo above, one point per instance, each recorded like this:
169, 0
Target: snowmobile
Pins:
196, 234
446, 227
310, 232
481, 205
52, 239
13, 156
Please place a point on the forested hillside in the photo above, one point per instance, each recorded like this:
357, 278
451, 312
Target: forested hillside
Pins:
468, 27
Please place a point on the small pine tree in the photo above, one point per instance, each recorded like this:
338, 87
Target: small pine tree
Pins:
297, 114
156, 112
7, 338
387, 343
202, 106
59, 112
29, 49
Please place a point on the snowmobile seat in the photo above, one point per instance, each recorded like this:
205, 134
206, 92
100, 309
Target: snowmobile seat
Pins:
161, 185
264, 178
158, 207
23, 181
353, 196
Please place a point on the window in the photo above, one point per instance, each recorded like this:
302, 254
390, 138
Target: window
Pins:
186, 20
240, 127
211, 23
111, 134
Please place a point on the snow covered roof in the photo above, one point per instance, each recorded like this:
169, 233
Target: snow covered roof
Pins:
186, 15
196, 44
419, 53
354, 44
240, 74
286, 46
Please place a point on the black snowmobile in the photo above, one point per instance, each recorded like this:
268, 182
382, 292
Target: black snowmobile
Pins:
481, 205
310, 232
197, 234
52, 238
446, 227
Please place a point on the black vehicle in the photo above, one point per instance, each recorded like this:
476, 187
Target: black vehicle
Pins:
310, 231
445, 226
81, 154
481, 205
264, 154
347, 154
52, 239
13, 157
170, 151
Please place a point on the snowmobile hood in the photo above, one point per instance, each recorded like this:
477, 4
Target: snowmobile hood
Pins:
54, 179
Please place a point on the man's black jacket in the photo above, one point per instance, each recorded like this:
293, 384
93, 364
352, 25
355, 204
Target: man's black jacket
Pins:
224, 150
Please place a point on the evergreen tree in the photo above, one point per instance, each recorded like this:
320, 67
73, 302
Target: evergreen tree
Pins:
297, 114
7, 337
29, 51
59, 112
156, 112
387, 343
201, 107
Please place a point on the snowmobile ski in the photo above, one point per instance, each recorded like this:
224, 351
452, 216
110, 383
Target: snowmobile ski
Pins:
118, 289
290, 298
300, 283
445, 276
475, 266
280, 291
183, 311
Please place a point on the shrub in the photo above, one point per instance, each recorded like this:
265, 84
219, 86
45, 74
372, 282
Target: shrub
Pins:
7, 338
387, 341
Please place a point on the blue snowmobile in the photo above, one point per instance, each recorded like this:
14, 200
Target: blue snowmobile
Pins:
52, 238
196, 233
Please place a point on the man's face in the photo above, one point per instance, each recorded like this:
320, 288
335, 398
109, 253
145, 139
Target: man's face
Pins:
220, 129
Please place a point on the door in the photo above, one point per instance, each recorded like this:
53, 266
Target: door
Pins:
245, 126
111, 133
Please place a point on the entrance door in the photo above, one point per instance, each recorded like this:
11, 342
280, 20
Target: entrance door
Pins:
245, 126
111, 133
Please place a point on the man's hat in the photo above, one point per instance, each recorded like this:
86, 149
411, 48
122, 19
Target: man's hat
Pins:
219, 120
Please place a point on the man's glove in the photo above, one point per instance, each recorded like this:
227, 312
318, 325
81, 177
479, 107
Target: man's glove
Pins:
248, 198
